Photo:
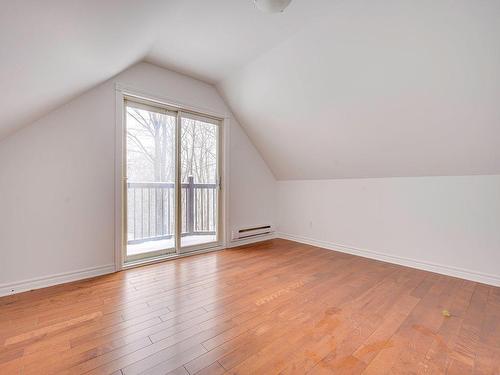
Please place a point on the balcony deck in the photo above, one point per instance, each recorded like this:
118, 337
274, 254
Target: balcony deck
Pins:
151, 215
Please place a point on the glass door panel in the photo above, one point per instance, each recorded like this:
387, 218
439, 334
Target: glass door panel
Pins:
199, 177
150, 185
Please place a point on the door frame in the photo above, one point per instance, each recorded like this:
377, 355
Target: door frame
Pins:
120, 242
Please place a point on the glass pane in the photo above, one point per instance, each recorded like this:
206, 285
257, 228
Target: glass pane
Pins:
199, 173
150, 185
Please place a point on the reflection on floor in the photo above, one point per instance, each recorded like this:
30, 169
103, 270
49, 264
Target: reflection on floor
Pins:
149, 246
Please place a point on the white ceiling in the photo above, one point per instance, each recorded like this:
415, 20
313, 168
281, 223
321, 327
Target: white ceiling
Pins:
328, 89
52, 50
378, 89
209, 39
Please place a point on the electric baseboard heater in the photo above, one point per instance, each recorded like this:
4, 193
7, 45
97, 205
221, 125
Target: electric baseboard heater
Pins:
250, 232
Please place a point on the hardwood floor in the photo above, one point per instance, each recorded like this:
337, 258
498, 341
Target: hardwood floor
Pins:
274, 307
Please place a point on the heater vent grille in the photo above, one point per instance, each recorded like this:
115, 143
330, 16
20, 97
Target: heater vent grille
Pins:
248, 232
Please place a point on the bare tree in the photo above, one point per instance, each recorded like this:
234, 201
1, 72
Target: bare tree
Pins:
153, 138
151, 155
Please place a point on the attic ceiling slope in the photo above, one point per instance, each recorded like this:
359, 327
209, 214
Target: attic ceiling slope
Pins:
328, 89
210, 39
53, 50
378, 89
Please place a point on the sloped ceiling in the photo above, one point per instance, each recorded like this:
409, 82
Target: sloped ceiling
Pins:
53, 50
378, 89
328, 89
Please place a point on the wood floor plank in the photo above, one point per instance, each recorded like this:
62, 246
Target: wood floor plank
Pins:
214, 369
267, 308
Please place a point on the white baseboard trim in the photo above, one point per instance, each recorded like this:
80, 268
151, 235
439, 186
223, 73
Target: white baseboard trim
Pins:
61, 278
408, 262
249, 241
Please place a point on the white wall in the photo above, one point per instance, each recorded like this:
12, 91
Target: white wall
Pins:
446, 224
253, 187
57, 197
57, 181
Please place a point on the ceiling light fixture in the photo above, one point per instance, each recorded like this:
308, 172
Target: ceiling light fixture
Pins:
272, 6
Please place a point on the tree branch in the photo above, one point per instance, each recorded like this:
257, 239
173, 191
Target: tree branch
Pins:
141, 146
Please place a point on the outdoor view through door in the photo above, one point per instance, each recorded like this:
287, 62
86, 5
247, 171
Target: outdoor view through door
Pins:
172, 189
199, 175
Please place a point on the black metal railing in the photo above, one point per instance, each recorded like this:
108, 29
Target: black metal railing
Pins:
151, 210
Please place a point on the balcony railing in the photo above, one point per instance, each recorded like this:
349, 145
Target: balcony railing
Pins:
151, 210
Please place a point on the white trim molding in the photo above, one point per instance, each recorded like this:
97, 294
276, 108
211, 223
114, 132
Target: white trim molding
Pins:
119, 183
169, 101
408, 262
61, 278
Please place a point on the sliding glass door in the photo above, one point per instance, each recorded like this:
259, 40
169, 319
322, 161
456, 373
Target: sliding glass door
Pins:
151, 156
172, 183
199, 175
